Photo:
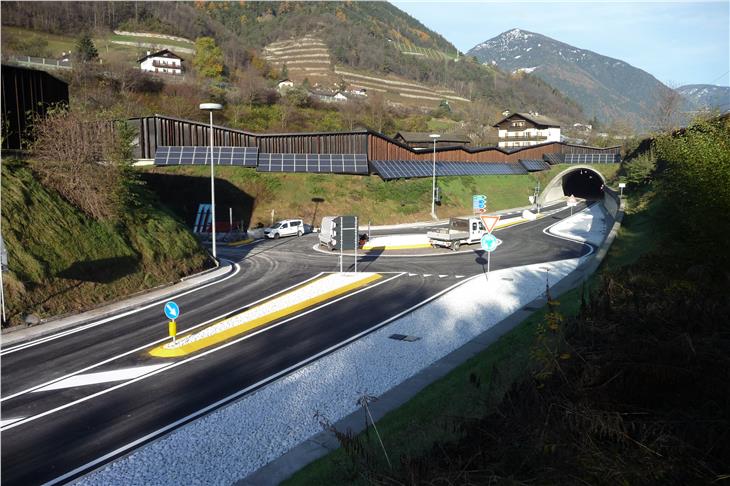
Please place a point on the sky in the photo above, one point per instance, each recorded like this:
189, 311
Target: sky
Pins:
678, 42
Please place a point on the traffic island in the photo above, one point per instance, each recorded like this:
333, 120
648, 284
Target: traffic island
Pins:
302, 297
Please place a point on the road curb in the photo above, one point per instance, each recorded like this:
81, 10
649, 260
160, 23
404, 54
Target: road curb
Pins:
325, 442
135, 301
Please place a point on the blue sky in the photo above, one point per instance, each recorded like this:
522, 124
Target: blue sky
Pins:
679, 42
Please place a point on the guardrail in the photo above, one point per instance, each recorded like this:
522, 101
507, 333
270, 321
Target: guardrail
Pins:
41, 61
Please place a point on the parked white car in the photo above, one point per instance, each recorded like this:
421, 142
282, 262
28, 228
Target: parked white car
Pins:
286, 227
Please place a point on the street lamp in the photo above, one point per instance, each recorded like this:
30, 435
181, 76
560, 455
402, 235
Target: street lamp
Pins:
434, 136
211, 107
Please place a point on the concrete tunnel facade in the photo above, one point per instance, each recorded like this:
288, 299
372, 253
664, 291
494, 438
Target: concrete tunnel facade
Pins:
582, 181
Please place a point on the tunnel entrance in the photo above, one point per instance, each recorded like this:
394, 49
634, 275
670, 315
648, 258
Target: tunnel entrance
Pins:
583, 183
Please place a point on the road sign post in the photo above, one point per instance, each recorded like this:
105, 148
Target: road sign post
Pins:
346, 228
172, 312
489, 244
572, 202
479, 203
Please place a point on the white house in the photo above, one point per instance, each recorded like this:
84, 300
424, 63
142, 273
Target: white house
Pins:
164, 61
526, 129
284, 85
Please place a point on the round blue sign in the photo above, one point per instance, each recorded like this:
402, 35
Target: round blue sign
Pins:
489, 242
172, 311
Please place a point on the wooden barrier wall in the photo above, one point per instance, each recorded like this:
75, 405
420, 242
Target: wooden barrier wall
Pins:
158, 130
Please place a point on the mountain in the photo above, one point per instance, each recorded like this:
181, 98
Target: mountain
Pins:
707, 96
608, 88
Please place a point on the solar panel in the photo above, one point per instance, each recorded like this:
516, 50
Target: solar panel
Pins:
401, 169
314, 163
603, 158
534, 165
199, 155
553, 159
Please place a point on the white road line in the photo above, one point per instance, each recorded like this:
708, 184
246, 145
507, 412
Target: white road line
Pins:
154, 343
84, 327
101, 377
246, 390
192, 358
9, 421
589, 245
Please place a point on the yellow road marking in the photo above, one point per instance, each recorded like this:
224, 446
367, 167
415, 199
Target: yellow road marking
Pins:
240, 242
397, 247
162, 352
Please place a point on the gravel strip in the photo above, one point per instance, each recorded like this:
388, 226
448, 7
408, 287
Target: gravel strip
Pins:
236, 440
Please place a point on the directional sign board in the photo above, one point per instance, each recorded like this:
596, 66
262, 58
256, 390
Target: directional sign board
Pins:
489, 242
621, 185
479, 203
172, 311
489, 222
345, 233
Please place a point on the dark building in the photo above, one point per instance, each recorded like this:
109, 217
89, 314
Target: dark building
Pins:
27, 93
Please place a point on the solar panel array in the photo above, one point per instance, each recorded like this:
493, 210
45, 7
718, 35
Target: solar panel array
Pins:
554, 158
330, 163
592, 158
534, 165
199, 155
401, 169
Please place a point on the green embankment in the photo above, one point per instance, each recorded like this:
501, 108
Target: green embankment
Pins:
253, 195
61, 261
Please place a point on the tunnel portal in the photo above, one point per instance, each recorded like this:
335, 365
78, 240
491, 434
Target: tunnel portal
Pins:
583, 183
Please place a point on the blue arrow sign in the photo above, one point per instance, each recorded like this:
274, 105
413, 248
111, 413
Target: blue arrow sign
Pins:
172, 311
479, 202
489, 242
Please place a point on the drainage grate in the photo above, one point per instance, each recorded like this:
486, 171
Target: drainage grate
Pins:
403, 337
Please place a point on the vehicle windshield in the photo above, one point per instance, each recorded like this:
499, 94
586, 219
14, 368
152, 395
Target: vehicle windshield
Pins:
277, 225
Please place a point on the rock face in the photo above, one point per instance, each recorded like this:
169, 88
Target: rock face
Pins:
607, 88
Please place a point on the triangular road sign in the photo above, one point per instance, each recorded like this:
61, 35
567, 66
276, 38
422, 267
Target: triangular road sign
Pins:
489, 222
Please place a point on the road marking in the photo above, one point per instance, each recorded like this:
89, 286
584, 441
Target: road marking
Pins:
442, 276
101, 377
228, 328
162, 340
5, 422
458, 276
427, 274
199, 355
412, 274
240, 393
74, 330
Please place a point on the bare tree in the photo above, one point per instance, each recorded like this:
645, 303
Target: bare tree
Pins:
251, 86
667, 111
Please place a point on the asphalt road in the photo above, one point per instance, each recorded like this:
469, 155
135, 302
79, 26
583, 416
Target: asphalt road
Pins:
64, 432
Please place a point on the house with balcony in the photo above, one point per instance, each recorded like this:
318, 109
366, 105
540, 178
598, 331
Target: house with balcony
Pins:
526, 129
161, 62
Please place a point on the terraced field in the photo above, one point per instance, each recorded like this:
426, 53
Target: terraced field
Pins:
309, 57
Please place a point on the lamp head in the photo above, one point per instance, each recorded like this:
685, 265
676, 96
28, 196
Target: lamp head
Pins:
211, 106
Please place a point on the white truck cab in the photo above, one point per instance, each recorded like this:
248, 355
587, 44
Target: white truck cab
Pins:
460, 231
286, 227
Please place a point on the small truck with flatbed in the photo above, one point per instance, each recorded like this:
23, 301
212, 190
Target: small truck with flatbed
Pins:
459, 231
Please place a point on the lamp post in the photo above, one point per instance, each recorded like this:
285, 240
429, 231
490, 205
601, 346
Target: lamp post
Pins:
434, 136
211, 107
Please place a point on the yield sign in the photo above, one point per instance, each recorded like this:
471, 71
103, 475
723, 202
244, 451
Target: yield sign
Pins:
489, 222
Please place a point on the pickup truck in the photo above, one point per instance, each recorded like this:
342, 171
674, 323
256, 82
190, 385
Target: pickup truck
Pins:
460, 231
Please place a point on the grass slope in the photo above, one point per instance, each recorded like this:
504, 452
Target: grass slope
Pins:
61, 261
254, 195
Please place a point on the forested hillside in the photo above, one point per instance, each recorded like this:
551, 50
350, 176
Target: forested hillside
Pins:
373, 37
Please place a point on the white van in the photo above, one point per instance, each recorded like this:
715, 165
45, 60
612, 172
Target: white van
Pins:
326, 237
286, 227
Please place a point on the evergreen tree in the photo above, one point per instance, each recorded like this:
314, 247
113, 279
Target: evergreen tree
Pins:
85, 49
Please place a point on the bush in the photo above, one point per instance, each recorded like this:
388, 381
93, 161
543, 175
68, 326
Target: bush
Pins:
85, 160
